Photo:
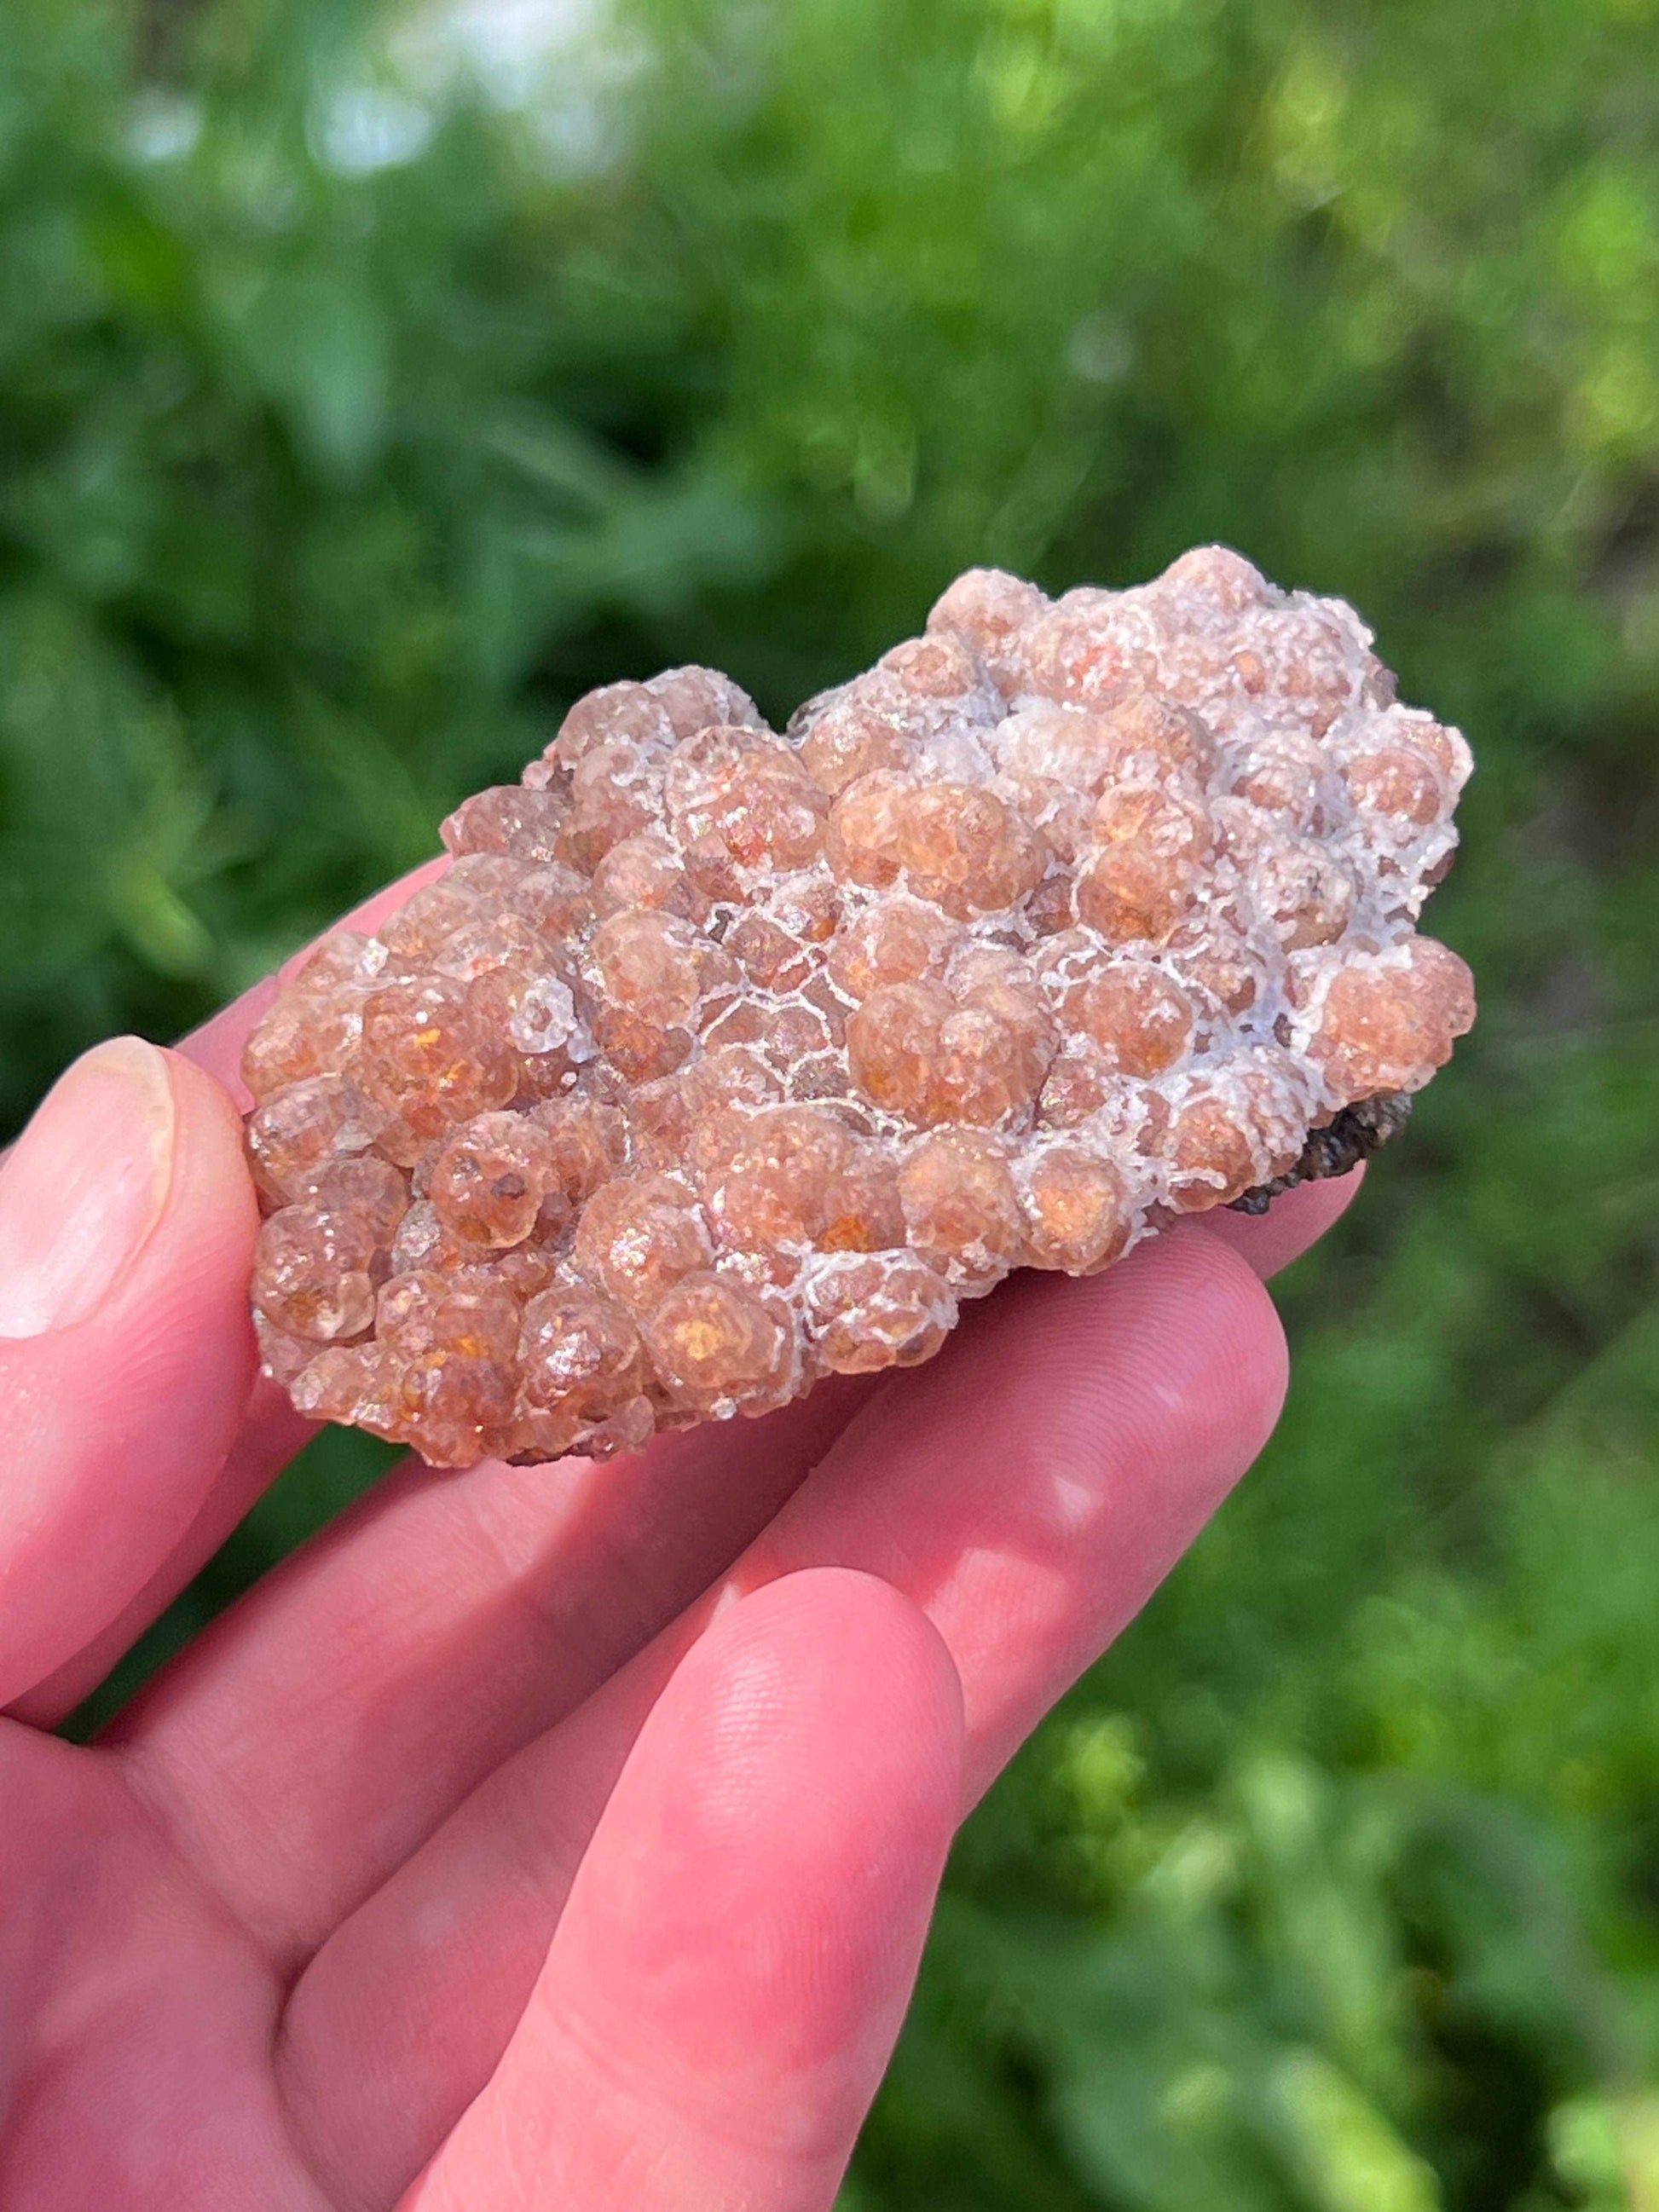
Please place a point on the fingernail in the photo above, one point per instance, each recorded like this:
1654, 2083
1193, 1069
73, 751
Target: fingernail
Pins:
84, 1186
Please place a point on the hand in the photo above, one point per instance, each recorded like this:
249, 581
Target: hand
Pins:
537, 1837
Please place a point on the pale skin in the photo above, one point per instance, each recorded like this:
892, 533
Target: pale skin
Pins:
535, 1838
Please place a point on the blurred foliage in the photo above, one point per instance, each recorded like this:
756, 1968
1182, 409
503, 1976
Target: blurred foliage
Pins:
364, 394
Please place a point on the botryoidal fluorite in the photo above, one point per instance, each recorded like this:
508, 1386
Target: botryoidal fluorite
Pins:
718, 1060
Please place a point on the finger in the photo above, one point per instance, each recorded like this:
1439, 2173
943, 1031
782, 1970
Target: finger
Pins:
1028, 1489
271, 1434
1033, 1512
725, 1990
126, 1353
444, 1621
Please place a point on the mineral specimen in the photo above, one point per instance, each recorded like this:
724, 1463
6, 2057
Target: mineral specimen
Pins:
718, 1060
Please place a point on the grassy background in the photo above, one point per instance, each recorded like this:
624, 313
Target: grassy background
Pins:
368, 388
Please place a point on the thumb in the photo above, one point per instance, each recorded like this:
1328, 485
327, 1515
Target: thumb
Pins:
127, 1222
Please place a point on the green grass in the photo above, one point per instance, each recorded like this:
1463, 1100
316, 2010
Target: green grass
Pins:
1335, 1887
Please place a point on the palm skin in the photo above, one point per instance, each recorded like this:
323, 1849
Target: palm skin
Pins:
536, 1837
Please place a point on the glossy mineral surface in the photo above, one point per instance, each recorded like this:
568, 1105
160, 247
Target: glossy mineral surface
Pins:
720, 1061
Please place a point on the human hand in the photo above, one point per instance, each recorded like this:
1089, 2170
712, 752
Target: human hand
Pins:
536, 1837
